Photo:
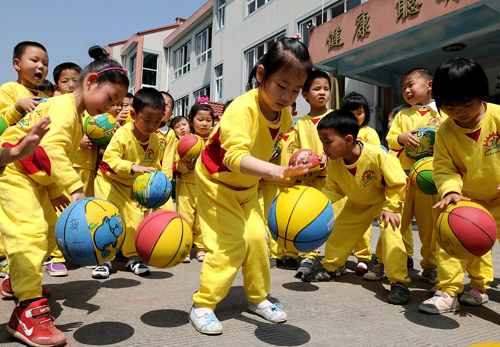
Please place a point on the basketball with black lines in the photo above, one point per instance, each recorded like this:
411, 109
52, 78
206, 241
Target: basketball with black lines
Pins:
163, 239
300, 219
465, 230
421, 176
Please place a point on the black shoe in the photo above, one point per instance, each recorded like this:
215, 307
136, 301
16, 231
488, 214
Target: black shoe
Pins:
409, 263
275, 262
399, 294
291, 264
321, 275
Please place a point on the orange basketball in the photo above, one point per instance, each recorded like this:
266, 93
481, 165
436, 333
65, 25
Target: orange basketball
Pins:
306, 156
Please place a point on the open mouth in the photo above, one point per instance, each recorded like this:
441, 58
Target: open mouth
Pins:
38, 76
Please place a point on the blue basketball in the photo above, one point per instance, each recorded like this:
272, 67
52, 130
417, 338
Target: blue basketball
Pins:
385, 149
152, 189
90, 231
300, 219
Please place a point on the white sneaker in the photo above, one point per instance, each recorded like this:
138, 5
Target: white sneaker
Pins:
271, 312
205, 323
187, 259
340, 271
102, 271
137, 266
440, 303
474, 297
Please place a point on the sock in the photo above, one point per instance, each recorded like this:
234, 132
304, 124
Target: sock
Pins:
25, 303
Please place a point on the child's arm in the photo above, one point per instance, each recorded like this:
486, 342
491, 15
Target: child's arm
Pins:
389, 218
256, 167
85, 143
397, 138
331, 189
395, 182
27, 104
28, 144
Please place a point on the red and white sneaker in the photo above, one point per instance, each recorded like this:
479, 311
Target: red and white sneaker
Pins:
34, 326
9, 294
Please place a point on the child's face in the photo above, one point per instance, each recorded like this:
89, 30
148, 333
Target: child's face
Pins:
417, 90
279, 91
48, 92
98, 98
468, 115
126, 104
334, 145
32, 67
390, 119
68, 81
202, 122
169, 106
147, 121
360, 114
182, 128
319, 93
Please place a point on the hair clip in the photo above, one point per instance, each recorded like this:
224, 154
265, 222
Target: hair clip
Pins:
113, 68
202, 100
297, 36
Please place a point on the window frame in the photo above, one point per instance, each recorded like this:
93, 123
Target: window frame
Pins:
219, 82
181, 103
328, 14
204, 55
221, 14
183, 53
255, 5
203, 91
157, 71
132, 68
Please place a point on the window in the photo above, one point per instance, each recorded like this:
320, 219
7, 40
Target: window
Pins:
131, 67
221, 14
204, 46
254, 54
350, 4
182, 60
205, 91
319, 18
149, 69
218, 83
181, 107
253, 5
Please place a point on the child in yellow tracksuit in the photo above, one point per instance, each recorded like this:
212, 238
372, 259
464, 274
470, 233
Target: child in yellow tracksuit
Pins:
466, 160
168, 142
374, 184
236, 156
28, 230
201, 120
358, 105
20, 97
316, 91
271, 188
417, 91
66, 77
134, 149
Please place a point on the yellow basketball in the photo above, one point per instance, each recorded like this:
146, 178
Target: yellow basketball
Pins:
100, 128
300, 219
164, 239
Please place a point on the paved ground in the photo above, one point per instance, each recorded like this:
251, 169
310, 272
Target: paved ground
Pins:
127, 310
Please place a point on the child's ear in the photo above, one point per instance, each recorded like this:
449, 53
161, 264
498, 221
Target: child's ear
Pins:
294, 114
349, 140
429, 85
56, 88
132, 113
15, 62
304, 94
260, 73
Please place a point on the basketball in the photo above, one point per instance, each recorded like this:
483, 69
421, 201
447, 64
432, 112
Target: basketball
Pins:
421, 176
90, 231
3, 125
465, 230
189, 147
384, 148
163, 239
426, 137
100, 128
300, 219
152, 189
306, 156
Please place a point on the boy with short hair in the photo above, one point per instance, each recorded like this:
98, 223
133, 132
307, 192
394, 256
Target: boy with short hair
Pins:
31, 62
46, 87
374, 184
66, 77
124, 116
417, 91
134, 149
316, 91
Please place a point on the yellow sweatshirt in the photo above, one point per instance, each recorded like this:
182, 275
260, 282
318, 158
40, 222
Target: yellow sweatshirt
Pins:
411, 119
369, 135
86, 158
283, 159
168, 145
242, 131
10, 93
376, 176
467, 161
53, 159
124, 150
306, 136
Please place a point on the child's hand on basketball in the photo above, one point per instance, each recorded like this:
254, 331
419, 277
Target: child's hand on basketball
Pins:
431, 151
450, 198
189, 164
323, 159
78, 195
141, 169
389, 218
284, 172
408, 140
60, 203
85, 143
27, 104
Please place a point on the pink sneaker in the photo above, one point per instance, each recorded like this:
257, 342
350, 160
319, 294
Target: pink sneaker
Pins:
440, 303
